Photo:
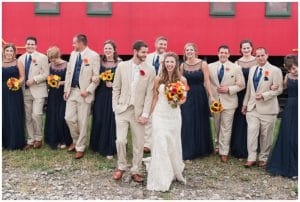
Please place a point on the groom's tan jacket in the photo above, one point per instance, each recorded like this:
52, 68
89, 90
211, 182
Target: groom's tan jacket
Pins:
122, 88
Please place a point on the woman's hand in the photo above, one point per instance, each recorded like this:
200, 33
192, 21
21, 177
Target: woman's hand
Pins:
108, 84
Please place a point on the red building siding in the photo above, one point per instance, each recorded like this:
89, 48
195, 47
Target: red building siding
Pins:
180, 22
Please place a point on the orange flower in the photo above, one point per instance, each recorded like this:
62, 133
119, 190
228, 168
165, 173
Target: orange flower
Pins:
175, 93
13, 84
266, 73
53, 80
85, 61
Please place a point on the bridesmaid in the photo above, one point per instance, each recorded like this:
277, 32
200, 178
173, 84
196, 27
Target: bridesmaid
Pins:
284, 157
56, 132
195, 132
238, 144
13, 114
103, 135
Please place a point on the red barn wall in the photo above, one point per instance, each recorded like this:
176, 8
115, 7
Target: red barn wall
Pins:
180, 22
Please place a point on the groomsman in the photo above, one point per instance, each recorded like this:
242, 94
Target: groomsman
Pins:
154, 59
261, 107
35, 91
132, 98
226, 81
79, 91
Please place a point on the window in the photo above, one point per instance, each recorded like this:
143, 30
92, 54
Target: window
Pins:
46, 8
278, 9
99, 8
222, 9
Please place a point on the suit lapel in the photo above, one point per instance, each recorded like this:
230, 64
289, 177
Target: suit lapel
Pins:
33, 61
128, 68
83, 57
215, 74
266, 68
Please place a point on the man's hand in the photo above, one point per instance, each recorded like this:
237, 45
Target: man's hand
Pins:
259, 96
84, 93
30, 82
142, 120
223, 89
66, 96
244, 110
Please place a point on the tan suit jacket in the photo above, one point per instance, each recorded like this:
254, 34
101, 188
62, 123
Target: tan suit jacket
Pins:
90, 67
122, 88
232, 74
269, 105
150, 61
39, 71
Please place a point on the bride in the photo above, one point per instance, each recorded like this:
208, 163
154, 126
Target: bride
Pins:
166, 162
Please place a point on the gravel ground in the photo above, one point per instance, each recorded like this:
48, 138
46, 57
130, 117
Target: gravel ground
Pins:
207, 178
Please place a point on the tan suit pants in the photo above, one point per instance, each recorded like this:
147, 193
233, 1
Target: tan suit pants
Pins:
76, 116
223, 124
263, 125
33, 117
123, 121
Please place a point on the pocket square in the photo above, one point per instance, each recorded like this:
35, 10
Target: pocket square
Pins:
232, 76
266, 78
87, 65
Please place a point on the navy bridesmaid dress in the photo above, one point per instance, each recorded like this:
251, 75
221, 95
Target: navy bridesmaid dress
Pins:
103, 135
56, 130
284, 157
196, 134
238, 142
13, 112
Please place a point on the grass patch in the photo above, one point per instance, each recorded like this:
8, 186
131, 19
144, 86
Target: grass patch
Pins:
47, 159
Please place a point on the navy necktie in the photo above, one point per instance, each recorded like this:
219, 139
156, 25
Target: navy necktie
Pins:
78, 61
156, 64
221, 73
257, 77
27, 67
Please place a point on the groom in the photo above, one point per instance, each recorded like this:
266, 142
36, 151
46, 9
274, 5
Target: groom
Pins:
132, 97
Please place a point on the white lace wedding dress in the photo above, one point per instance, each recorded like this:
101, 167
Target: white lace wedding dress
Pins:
165, 163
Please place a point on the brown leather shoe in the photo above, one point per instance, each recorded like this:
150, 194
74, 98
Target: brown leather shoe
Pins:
28, 146
137, 178
262, 163
249, 164
71, 148
37, 144
79, 155
147, 150
224, 158
118, 174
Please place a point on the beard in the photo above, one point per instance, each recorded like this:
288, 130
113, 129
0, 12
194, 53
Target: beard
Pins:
141, 58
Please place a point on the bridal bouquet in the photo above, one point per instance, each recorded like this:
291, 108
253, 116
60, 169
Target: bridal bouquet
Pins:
13, 84
53, 80
176, 92
216, 107
107, 75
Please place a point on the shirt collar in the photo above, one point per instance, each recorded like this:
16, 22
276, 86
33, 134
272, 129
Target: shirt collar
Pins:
83, 52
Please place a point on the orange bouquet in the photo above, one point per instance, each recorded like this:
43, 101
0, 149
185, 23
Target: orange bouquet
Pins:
216, 107
107, 75
176, 92
13, 84
53, 80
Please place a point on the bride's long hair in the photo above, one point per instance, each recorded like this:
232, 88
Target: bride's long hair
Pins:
164, 77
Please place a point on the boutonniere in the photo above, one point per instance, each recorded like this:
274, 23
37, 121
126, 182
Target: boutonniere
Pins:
34, 61
86, 62
226, 69
266, 75
142, 72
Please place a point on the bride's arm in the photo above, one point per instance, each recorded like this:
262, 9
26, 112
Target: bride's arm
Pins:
155, 94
